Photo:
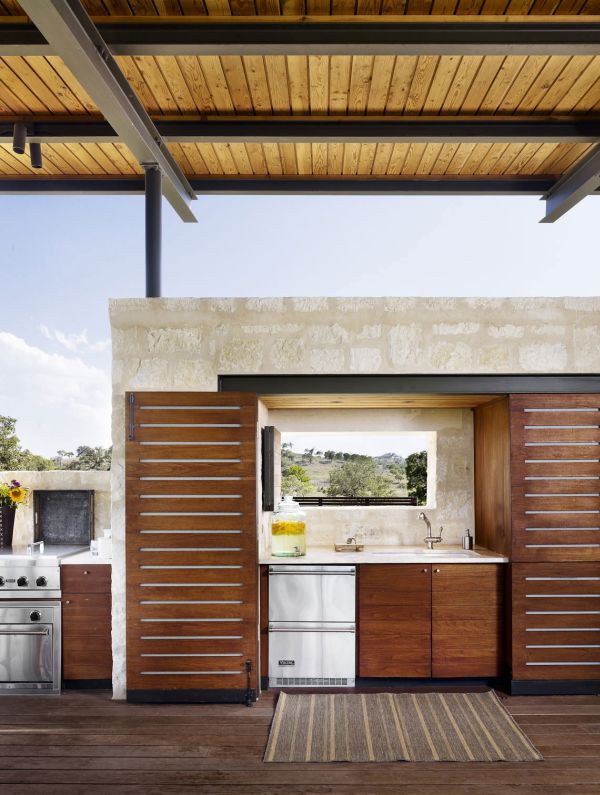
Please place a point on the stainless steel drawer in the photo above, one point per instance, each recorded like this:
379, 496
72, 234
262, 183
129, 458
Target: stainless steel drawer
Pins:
312, 653
312, 593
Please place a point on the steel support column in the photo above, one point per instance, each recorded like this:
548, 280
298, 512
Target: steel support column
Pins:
153, 230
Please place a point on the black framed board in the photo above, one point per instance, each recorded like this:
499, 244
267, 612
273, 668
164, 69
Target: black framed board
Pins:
64, 516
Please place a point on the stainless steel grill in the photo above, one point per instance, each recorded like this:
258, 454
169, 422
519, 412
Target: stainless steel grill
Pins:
30, 619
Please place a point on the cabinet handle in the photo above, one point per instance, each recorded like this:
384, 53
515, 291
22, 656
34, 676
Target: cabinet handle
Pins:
437, 571
86, 572
67, 601
424, 571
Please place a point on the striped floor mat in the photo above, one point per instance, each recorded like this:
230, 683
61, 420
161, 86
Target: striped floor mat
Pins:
385, 727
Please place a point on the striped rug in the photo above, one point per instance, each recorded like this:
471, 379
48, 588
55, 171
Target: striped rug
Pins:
385, 727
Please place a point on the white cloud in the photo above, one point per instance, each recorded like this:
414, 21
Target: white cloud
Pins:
75, 342
59, 401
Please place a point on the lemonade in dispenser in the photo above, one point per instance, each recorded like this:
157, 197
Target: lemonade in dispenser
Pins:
288, 530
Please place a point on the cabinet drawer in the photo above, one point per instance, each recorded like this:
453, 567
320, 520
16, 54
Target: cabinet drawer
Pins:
94, 578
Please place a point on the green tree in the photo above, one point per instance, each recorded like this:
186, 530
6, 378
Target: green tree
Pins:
295, 480
398, 472
287, 455
416, 476
90, 458
360, 478
12, 455
308, 454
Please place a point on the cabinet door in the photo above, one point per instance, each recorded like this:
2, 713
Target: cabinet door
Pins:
467, 603
394, 609
86, 637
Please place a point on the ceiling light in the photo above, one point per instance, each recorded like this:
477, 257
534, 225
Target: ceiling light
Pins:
35, 153
19, 138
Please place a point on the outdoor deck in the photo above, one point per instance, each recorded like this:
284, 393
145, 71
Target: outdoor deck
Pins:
83, 742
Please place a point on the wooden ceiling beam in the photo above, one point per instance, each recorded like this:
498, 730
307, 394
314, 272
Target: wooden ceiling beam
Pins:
332, 129
335, 35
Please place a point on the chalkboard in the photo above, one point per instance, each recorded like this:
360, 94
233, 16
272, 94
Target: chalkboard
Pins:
64, 516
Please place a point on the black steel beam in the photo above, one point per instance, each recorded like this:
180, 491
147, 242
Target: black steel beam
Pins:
463, 384
292, 186
318, 36
345, 129
581, 181
153, 220
76, 39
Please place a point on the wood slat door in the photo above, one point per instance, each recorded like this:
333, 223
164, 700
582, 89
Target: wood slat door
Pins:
555, 477
556, 621
191, 546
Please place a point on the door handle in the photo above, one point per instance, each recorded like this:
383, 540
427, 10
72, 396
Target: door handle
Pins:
24, 633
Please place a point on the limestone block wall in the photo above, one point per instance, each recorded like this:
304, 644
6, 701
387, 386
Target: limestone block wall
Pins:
185, 343
61, 479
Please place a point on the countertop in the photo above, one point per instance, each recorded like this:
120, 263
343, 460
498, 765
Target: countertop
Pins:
373, 554
85, 558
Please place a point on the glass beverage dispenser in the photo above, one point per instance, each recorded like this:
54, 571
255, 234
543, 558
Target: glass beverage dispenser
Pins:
288, 530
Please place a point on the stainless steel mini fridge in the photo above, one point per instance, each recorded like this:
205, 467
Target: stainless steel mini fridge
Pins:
312, 626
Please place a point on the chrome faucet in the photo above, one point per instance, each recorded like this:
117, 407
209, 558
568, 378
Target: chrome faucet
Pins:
31, 547
429, 539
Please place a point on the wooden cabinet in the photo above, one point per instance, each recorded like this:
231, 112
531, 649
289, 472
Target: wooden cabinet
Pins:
394, 614
466, 630
422, 620
86, 623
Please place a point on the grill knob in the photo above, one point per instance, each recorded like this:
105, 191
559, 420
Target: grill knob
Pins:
22, 582
35, 615
2, 581
41, 582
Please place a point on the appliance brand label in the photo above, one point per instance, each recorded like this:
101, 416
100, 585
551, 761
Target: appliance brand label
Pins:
287, 662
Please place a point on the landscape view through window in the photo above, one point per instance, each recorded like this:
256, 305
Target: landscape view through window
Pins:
354, 464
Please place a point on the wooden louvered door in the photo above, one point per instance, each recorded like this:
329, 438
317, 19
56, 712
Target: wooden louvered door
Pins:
556, 621
191, 546
555, 477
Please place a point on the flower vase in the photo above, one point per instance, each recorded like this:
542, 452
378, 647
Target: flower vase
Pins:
7, 524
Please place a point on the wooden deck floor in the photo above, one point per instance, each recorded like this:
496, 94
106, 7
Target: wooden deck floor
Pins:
83, 742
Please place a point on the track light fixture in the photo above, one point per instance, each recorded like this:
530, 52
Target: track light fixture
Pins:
19, 138
35, 153
20, 141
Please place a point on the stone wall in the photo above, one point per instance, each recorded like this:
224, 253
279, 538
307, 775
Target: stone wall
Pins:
56, 479
185, 343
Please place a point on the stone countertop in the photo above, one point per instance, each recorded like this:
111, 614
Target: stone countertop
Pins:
85, 559
373, 554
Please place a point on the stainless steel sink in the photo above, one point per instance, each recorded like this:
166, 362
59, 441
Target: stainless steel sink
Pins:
446, 553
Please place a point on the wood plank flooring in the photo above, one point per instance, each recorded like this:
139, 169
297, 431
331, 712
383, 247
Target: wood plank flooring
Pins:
83, 742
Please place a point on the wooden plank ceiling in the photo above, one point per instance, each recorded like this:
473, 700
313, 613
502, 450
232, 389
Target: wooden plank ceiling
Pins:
324, 7
198, 86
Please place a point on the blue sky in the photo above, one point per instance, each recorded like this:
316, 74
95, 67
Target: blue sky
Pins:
63, 257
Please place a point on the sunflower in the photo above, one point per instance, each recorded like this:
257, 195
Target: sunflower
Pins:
17, 494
